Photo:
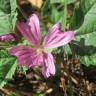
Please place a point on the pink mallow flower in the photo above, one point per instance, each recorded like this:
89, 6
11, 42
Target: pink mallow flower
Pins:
7, 37
37, 53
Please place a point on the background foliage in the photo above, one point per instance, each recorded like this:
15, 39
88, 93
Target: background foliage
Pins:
82, 21
7, 16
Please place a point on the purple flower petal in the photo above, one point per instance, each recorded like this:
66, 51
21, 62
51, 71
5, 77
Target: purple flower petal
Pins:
24, 55
26, 32
33, 23
37, 59
30, 30
7, 37
48, 67
59, 39
52, 33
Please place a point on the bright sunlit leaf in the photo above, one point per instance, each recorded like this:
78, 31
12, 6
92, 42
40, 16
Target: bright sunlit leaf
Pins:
37, 3
7, 16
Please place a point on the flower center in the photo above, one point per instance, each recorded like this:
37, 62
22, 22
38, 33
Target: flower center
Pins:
39, 49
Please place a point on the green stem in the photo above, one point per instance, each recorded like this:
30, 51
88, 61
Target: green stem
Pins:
64, 17
44, 6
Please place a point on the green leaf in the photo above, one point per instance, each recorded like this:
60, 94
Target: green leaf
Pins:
86, 5
7, 16
85, 48
80, 12
89, 24
85, 45
55, 15
76, 19
7, 67
60, 1
55, 1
